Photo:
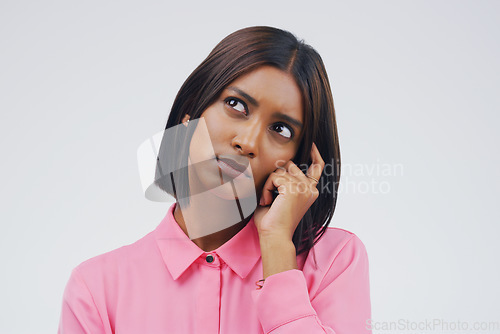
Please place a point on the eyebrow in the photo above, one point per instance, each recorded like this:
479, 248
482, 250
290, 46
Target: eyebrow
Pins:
245, 95
276, 114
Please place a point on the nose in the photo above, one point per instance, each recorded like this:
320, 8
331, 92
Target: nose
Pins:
247, 138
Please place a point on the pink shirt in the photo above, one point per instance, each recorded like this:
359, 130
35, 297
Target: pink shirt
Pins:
164, 283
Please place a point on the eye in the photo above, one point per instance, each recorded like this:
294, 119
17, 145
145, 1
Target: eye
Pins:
236, 104
283, 129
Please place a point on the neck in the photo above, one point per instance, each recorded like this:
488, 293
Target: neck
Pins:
210, 218
193, 215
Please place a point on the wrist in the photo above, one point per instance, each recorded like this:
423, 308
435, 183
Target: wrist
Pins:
275, 236
278, 255
275, 242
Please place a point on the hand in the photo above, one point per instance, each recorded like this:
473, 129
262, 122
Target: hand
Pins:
297, 192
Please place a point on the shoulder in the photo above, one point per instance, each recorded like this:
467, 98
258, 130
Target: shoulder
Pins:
336, 242
336, 251
110, 264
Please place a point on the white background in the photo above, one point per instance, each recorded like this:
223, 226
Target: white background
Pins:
415, 84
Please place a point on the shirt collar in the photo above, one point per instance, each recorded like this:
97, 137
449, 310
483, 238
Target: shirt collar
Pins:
240, 253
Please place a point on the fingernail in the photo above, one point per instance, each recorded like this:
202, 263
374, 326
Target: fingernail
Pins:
261, 202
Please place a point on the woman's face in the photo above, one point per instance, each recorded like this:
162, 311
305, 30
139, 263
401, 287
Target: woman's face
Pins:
257, 120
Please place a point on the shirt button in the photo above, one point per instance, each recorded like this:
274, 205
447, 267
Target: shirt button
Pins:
210, 258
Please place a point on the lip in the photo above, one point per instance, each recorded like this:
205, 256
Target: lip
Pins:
231, 167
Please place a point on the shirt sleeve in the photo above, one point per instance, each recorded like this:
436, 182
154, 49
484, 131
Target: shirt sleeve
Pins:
341, 304
79, 313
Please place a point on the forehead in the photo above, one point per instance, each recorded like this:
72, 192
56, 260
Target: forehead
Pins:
273, 89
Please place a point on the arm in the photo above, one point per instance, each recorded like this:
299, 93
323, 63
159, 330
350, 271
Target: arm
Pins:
277, 255
341, 304
79, 313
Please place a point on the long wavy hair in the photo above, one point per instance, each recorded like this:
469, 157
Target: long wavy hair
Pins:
237, 54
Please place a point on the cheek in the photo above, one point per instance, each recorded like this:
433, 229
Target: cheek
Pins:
269, 166
280, 159
200, 147
217, 126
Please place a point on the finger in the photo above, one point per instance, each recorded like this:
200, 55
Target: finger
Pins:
275, 180
300, 180
294, 170
317, 164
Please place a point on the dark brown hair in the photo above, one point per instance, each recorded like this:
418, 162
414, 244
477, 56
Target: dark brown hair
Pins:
237, 54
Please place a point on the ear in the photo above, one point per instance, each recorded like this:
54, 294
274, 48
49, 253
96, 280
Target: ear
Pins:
186, 119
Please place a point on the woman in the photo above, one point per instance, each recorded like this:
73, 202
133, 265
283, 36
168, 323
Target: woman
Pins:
254, 123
